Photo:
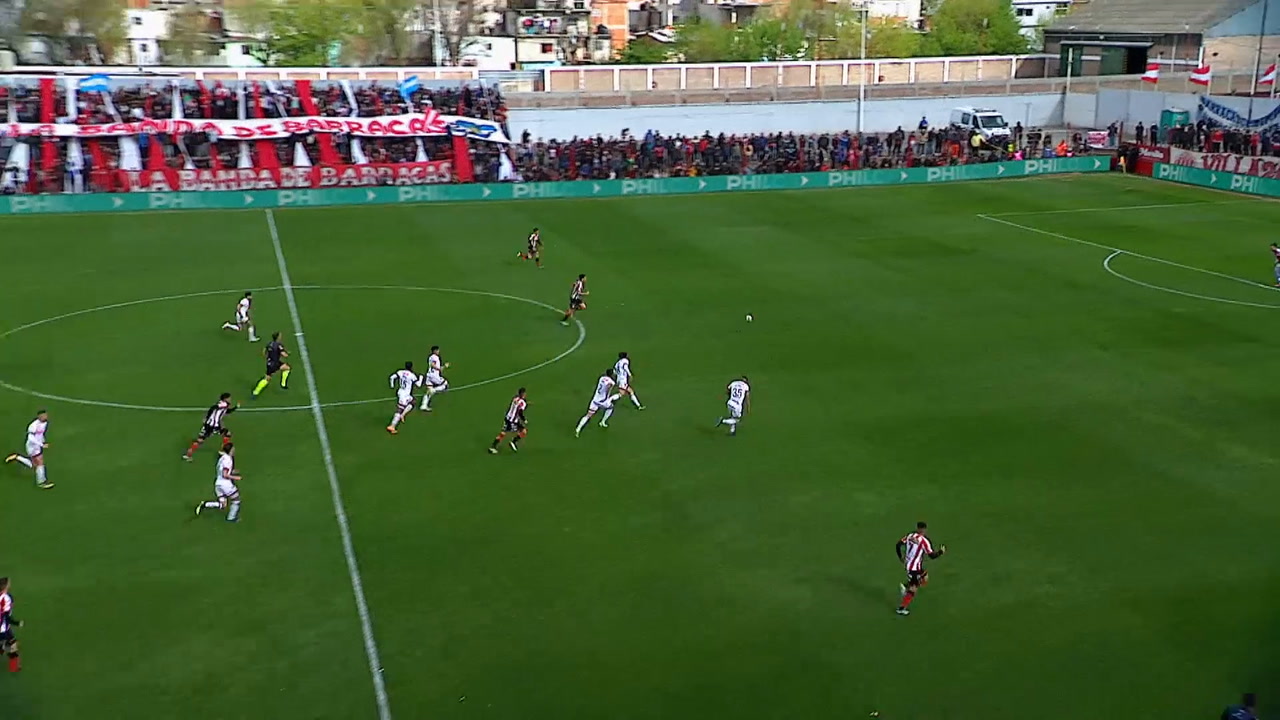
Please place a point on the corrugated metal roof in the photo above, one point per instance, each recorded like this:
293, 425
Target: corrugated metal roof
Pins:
1155, 17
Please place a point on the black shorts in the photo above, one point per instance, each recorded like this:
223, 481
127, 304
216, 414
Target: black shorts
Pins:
273, 367
576, 303
7, 638
208, 430
916, 578
511, 426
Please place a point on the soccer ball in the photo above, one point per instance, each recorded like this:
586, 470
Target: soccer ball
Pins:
749, 318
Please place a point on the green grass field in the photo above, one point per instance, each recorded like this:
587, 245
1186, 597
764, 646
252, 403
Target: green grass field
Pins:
1098, 453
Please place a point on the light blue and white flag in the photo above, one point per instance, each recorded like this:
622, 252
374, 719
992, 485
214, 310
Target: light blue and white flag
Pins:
95, 83
408, 87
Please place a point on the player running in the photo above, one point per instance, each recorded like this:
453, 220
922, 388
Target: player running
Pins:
435, 380
8, 642
912, 549
213, 424
1275, 253
514, 423
275, 354
35, 449
576, 295
602, 400
244, 317
534, 252
225, 493
403, 381
739, 402
622, 369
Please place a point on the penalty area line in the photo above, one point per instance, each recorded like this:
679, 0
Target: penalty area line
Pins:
335, 488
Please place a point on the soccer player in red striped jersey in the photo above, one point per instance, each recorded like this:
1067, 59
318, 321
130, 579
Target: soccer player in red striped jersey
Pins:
912, 550
213, 425
514, 423
577, 295
8, 642
534, 252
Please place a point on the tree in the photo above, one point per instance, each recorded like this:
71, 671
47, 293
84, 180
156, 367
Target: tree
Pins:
974, 27
892, 40
382, 35
91, 29
188, 35
772, 38
303, 32
643, 51
703, 41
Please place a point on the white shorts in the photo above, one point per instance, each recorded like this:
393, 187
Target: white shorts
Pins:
34, 449
437, 382
404, 400
735, 410
597, 406
624, 383
242, 319
224, 488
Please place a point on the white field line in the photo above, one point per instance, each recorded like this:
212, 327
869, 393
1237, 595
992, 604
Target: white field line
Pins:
339, 509
1114, 250
1106, 265
1070, 211
582, 337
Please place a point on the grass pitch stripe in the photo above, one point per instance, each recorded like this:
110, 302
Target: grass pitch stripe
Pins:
339, 508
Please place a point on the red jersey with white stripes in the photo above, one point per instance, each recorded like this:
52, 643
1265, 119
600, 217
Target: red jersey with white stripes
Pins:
918, 548
6, 607
515, 413
578, 288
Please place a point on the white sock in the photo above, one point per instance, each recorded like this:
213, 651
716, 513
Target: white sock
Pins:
635, 399
253, 335
395, 419
608, 413
211, 504
583, 422
230, 326
24, 460
235, 510
40, 474
731, 421
426, 400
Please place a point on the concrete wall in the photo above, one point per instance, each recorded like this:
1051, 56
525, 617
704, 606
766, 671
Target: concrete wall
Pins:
1246, 22
1133, 106
1044, 110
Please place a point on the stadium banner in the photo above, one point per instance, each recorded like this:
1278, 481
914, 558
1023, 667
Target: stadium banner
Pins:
1247, 184
1259, 166
319, 176
381, 194
390, 126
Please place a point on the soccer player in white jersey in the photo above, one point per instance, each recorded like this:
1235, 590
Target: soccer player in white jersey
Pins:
403, 382
35, 449
622, 369
602, 400
739, 402
244, 317
434, 380
226, 496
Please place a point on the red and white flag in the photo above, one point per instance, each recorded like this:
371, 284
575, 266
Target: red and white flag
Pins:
1268, 76
1152, 75
1202, 75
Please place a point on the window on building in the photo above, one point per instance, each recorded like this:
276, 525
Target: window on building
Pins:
548, 48
1024, 12
143, 48
137, 20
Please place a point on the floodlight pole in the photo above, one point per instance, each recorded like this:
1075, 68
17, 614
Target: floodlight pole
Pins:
862, 67
1257, 63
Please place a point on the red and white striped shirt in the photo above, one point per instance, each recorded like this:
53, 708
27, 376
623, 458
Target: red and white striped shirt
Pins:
6, 607
516, 412
918, 548
578, 288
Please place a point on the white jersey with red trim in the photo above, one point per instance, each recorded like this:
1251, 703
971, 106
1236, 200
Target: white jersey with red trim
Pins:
242, 310
435, 369
1276, 253
918, 548
603, 389
623, 370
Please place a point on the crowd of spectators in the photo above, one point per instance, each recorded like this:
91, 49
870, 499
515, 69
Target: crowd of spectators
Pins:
654, 155
1206, 137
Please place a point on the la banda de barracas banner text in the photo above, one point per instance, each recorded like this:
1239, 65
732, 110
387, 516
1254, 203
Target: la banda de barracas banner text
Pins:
372, 175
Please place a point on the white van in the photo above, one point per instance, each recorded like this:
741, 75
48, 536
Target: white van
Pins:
989, 123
